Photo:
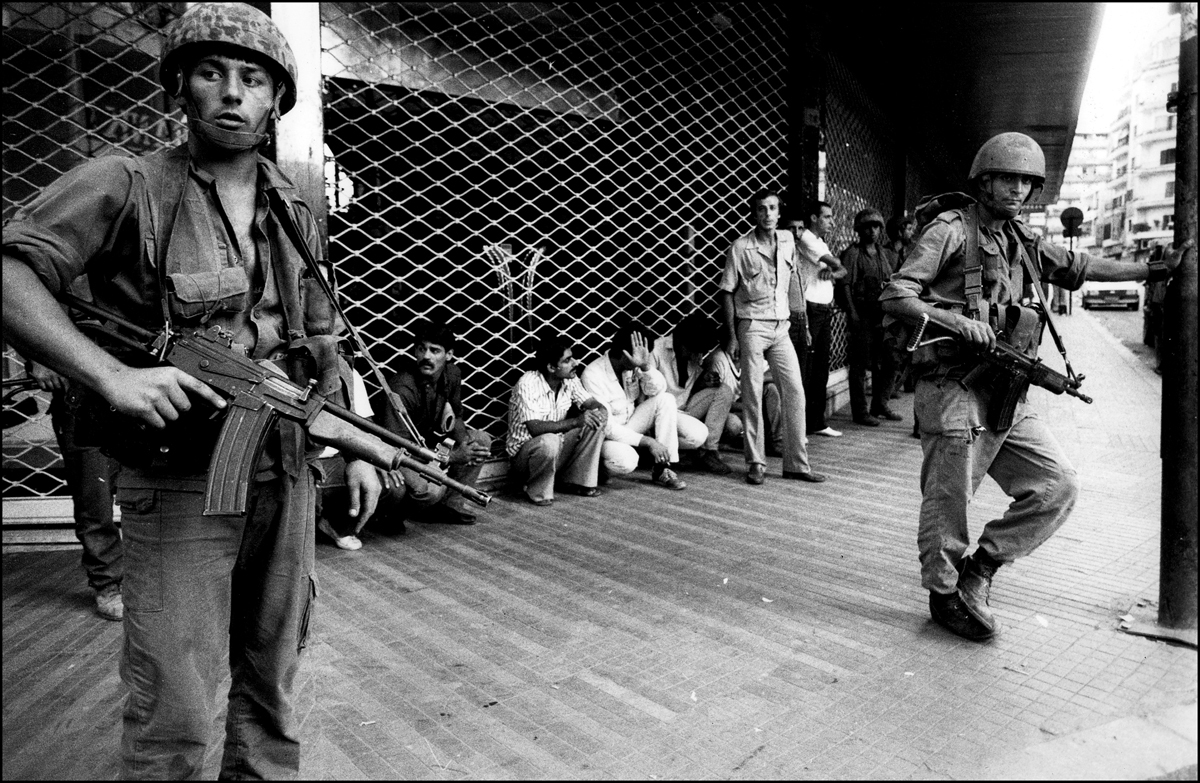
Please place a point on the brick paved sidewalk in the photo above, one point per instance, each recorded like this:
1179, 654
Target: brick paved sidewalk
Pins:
721, 632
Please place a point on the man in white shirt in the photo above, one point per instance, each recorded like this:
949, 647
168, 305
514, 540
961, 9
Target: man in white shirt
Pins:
818, 269
636, 395
543, 442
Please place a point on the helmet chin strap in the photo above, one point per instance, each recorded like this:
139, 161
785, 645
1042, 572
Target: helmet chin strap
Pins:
234, 141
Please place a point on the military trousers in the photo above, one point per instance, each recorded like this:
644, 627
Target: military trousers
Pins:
959, 450
198, 589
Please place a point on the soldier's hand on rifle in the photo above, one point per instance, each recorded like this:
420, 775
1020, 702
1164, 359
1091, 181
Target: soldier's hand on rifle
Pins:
47, 379
975, 332
155, 395
362, 481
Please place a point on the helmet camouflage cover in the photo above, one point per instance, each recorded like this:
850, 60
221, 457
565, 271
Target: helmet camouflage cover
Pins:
231, 24
1010, 153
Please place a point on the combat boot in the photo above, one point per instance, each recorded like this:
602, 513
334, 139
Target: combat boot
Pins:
975, 587
948, 611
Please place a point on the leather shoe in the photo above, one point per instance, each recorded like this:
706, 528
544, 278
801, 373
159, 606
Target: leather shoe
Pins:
578, 489
756, 474
887, 413
811, 477
948, 611
712, 462
866, 421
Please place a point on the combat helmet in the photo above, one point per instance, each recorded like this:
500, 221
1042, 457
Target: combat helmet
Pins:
232, 24
1010, 153
868, 215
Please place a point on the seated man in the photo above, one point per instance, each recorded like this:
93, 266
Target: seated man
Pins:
429, 388
543, 442
636, 395
681, 357
720, 370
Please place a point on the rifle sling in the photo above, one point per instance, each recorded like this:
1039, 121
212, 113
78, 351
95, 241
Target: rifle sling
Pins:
293, 233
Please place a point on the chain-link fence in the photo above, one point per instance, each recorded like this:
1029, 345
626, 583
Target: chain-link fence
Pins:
79, 82
524, 166
860, 167
514, 167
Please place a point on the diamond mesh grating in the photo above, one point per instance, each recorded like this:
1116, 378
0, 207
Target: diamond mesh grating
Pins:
79, 82
523, 166
515, 166
860, 156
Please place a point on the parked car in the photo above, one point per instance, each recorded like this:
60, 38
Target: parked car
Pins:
1125, 294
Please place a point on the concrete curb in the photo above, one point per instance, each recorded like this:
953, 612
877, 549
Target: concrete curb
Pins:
1136, 748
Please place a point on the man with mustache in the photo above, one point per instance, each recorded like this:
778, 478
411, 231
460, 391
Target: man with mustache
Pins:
429, 387
548, 448
970, 264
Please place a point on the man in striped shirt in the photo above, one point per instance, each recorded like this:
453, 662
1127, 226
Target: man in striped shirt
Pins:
543, 443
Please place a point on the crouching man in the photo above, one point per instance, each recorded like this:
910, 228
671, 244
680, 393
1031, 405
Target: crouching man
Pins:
548, 448
636, 395
429, 387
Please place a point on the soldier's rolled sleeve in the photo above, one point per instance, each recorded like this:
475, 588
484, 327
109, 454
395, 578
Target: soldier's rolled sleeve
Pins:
1062, 267
925, 262
72, 221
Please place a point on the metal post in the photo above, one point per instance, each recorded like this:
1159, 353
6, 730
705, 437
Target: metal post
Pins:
300, 138
1177, 579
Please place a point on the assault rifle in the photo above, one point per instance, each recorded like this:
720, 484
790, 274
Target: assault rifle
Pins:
1015, 372
256, 398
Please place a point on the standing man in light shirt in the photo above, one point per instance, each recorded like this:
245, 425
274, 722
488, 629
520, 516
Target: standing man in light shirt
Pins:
818, 269
760, 287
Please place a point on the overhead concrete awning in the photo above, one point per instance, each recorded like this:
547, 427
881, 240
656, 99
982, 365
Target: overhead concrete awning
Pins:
957, 74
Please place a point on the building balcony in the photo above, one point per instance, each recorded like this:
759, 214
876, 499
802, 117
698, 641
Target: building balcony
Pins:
1166, 168
1161, 134
1141, 204
1154, 233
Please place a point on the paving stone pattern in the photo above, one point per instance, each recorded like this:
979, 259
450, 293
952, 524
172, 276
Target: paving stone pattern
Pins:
722, 632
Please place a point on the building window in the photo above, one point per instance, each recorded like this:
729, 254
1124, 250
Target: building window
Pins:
1166, 156
1171, 189
1128, 196
1124, 140
1108, 231
1121, 171
1168, 222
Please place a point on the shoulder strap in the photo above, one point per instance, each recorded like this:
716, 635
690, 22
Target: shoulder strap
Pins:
172, 182
972, 263
293, 233
1041, 297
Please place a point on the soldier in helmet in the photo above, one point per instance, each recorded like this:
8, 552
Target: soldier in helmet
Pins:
869, 266
195, 235
968, 265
